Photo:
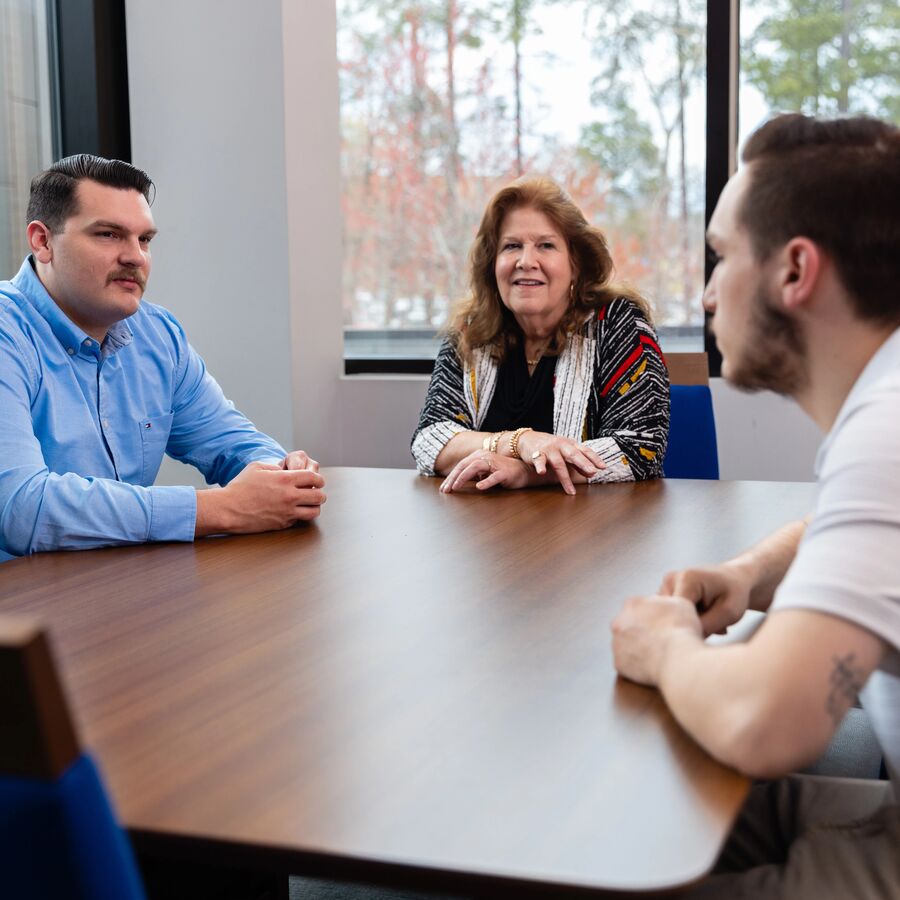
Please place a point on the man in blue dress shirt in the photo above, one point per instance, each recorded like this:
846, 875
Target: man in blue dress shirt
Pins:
95, 386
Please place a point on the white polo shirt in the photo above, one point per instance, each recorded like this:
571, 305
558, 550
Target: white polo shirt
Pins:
848, 563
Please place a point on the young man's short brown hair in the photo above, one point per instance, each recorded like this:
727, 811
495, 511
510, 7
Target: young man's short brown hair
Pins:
836, 182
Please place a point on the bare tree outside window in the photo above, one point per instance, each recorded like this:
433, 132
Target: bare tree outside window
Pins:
445, 101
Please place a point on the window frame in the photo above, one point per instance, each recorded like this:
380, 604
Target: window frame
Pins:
722, 65
89, 69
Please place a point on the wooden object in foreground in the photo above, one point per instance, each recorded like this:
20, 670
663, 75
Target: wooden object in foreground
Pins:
38, 736
415, 690
688, 368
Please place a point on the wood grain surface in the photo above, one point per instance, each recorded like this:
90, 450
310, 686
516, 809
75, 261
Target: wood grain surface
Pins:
414, 683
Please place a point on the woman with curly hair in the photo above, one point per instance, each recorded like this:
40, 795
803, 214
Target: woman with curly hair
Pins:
549, 372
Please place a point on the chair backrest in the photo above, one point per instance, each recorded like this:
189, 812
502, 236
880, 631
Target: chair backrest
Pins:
58, 834
692, 451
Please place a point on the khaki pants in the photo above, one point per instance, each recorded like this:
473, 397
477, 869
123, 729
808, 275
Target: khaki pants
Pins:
807, 836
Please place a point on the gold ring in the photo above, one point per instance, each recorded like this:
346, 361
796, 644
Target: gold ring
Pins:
536, 454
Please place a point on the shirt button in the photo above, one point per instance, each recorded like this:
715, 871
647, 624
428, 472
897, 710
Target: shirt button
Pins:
87, 342
71, 351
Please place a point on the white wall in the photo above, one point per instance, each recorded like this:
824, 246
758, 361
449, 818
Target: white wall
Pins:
207, 123
763, 437
234, 112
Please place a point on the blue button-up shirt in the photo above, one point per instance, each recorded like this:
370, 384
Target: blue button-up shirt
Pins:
83, 426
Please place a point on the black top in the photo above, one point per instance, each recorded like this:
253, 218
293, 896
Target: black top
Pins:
521, 399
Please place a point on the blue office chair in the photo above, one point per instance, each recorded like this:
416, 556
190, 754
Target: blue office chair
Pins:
692, 451
58, 834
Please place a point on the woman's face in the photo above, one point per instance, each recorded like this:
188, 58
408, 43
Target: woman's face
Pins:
533, 270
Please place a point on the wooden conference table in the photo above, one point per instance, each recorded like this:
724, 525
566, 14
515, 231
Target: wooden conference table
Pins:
418, 689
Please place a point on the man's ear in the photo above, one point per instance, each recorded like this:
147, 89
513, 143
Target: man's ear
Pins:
39, 240
799, 271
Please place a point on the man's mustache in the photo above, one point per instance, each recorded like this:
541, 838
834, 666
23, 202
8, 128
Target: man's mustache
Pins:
130, 274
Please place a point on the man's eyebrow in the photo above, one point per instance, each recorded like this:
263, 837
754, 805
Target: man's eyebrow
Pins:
115, 226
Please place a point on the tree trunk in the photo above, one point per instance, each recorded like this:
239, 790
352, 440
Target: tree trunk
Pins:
454, 167
451, 226
846, 21
686, 295
517, 75
412, 218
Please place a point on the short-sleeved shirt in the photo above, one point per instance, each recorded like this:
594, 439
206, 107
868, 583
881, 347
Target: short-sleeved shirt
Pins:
848, 563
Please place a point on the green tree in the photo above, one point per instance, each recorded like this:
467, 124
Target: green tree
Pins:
623, 146
512, 20
825, 57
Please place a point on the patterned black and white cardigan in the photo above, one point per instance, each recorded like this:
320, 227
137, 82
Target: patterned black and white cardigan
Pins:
610, 392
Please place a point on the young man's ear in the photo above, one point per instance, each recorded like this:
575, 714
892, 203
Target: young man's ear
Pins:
801, 266
39, 239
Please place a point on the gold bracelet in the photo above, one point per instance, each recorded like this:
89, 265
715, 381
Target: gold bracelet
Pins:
514, 442
496, 437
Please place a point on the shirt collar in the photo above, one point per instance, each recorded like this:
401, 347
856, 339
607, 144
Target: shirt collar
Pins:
885, 361
118, 336
73, 339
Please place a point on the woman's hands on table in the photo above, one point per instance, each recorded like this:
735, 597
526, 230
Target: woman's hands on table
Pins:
487, 470
561, 456
542, 458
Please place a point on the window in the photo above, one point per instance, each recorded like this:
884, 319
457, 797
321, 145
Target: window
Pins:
26, 143
443, 103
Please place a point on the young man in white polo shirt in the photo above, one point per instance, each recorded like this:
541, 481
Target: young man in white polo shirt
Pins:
806, 302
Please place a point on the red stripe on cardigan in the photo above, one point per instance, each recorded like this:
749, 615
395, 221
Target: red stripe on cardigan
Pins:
635, 355
651, 343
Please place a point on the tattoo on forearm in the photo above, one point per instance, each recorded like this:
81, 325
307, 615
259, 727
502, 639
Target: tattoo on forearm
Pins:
845, 682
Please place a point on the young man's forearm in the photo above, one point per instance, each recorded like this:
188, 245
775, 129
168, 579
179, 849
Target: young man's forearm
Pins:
708, 690
733, 699
768, 562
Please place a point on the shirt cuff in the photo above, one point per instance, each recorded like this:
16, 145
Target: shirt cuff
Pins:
617, 465
173, 513
430, 441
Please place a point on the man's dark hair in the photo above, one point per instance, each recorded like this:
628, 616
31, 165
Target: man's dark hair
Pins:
53, 199
836, 182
